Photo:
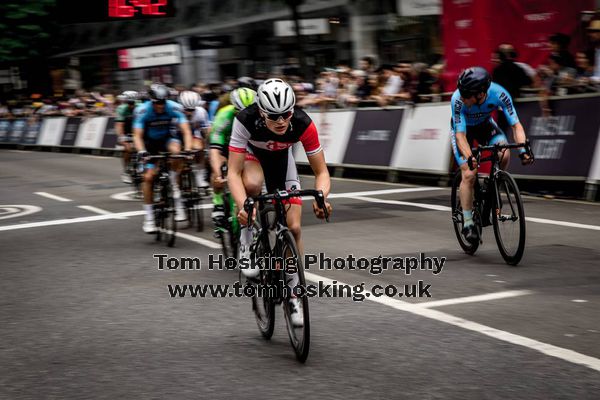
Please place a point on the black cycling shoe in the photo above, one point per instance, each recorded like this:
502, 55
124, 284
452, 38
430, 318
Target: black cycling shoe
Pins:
470, 233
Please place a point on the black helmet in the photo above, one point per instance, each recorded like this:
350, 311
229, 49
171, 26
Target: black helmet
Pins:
158, 92
247, 82
473, 80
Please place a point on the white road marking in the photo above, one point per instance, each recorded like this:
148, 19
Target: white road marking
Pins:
545, 348
100, 211
478, 298
14, 208
203, 242
562, 223
434, 207
382, 191
97, 157
446, 208
52, 196
500, 281
579, 301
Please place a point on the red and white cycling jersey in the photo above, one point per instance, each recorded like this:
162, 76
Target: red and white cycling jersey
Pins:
249, 131
274, 152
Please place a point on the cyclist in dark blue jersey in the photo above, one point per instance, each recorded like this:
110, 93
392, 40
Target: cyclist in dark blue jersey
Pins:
152, 135
472, 104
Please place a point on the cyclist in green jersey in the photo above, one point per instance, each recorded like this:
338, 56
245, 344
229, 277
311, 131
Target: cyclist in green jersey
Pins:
124, 129
219, 144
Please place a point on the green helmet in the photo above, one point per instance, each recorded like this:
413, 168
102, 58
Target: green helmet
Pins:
242, 98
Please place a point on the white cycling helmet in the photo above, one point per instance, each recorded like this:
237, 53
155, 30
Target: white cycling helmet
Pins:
129, 96
275, 96
189, 99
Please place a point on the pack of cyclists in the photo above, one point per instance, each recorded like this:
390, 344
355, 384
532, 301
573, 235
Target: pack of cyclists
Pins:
255, 132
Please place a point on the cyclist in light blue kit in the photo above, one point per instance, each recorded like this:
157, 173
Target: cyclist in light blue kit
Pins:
472, 104
152, 135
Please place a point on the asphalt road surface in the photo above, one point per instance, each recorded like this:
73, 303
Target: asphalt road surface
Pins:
86, 313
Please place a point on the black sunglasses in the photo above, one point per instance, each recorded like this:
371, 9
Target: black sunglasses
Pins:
467, 95
189, 109
275, 117
163, 101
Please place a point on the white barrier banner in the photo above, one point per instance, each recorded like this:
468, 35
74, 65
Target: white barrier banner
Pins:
334, 132
91, 132
424, 142
52, 131
594, 174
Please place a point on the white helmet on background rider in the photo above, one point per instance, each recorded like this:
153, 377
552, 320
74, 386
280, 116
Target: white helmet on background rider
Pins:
189, 99
129, 96
275, 97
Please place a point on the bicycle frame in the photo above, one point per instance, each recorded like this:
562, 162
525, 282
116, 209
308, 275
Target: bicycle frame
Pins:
483, 196
279, 225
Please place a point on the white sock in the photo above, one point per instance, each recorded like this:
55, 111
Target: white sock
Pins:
468, 216
292, 280
199, 174
178, 200
173, 179
149, 211
245, 237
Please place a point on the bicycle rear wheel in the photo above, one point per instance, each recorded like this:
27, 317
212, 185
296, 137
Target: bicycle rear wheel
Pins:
198, 210
509, 219
226, 233
457, 217
299, 335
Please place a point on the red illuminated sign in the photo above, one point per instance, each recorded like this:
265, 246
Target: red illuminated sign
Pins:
129, 8
72, 11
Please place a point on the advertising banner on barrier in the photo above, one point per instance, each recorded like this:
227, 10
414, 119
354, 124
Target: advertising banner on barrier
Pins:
91, 132
564, 143
32, 131
334, 130
110, 135
373, 137
18, 129
5, 126
70, 133
424, 142
52, 131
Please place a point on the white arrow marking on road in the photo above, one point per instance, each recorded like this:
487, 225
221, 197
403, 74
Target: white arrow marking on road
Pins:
100, 211
14, 208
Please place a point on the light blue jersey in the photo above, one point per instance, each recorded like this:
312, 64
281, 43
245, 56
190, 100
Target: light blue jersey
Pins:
477, 114
158, 126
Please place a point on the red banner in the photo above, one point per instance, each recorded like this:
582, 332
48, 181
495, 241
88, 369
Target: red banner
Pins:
472, 29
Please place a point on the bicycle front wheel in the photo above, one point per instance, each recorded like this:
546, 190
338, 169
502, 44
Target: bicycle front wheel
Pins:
299, 333
263, 305
509, 219
169, 224
457, 217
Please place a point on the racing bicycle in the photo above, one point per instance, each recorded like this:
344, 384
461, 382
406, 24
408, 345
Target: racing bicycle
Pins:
273, 240
132, 170
164, 203
496, 201
192, 195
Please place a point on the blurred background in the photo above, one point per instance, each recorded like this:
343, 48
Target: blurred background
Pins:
73, 59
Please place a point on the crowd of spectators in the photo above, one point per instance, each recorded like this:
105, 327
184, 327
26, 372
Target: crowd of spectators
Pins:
373, 85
